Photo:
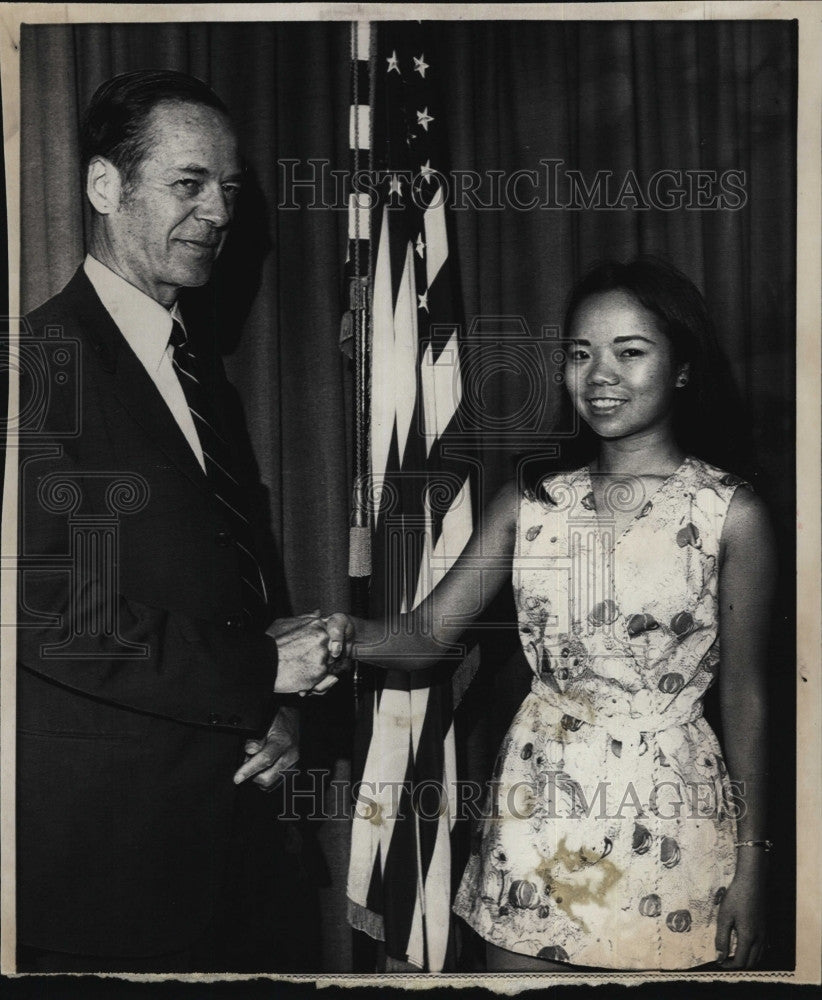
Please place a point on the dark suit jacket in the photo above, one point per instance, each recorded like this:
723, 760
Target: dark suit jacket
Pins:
136, 686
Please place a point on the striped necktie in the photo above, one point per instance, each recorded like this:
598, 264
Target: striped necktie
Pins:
220, 473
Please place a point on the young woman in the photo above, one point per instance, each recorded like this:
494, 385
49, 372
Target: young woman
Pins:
617, 833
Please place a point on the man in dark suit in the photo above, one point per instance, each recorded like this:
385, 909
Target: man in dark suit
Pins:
147, 657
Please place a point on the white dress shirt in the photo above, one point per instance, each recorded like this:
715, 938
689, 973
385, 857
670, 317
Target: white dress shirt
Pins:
146, 325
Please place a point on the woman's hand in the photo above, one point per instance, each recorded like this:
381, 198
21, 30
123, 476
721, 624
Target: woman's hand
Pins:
340, 629
743, 911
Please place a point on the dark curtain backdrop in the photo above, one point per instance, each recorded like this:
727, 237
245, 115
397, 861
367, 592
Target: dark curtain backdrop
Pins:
625, 96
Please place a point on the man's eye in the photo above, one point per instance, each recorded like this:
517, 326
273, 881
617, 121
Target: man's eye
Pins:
231, 190
189, 185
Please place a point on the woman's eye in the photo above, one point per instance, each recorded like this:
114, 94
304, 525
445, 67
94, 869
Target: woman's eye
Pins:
632, 352
577, 354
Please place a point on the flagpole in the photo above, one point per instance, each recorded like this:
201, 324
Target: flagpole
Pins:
359, 549
356, 340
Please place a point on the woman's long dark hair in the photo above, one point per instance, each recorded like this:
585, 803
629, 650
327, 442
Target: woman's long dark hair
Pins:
708, 414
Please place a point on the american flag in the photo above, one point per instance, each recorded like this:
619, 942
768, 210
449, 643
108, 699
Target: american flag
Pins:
400, 875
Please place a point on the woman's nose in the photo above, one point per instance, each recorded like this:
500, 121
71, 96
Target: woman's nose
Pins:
602, 372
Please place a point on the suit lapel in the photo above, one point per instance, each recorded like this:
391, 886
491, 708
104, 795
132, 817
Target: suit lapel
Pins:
128, 380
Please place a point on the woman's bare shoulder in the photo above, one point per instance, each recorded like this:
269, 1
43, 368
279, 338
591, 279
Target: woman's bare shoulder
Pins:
748, 516
747, 534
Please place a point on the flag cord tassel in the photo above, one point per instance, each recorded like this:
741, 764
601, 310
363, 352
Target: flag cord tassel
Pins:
359, 558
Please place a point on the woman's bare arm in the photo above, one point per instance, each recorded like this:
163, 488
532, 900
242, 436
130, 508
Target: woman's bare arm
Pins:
421, 638
746, 589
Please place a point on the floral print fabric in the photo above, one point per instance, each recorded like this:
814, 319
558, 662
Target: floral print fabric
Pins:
608, 836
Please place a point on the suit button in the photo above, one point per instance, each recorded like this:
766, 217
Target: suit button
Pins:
234, 720
224, 537
214, 719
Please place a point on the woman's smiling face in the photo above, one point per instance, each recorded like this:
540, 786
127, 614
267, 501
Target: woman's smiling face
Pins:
620, 373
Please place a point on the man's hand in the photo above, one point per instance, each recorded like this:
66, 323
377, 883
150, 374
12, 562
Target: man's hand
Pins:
267, 759
340, 629
302, 649
282, 625
312, 651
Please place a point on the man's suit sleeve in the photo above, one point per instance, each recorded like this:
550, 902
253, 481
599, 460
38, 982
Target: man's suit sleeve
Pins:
150, 659
176, 666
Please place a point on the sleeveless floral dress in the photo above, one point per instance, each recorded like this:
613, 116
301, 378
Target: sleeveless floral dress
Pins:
608, 836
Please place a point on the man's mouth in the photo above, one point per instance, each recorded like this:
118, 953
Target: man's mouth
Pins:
202, 244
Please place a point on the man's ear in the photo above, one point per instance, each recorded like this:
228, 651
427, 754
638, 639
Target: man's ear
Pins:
104, 185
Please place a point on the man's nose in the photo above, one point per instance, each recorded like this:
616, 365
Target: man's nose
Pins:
215, 208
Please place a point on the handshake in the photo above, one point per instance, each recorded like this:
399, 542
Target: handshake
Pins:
311, 652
